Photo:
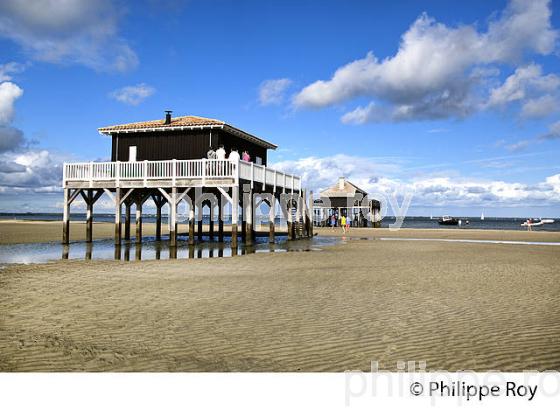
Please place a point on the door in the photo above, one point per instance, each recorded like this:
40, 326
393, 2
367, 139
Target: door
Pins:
132, 153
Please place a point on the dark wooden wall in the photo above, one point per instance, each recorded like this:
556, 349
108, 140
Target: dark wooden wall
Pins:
188, 144
231, 141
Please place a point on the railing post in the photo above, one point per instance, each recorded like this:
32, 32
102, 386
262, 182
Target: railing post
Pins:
91, 174
252, 174
174, 171
117, 173
203, 171
145, 172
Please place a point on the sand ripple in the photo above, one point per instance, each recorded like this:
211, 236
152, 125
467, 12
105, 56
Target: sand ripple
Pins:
479, 307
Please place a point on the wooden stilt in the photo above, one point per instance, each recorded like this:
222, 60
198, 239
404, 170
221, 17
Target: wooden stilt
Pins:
220, 219
89, 215
90, 196
290, 219
173, 252
211, 223
66, 217
234, 216
191, 217
118, 223
127, 206
243, 216
159, 201
158, 221
173, 218
89, 249
305, 215
199, 212
271, 217
139, 221
311, 213
248, 216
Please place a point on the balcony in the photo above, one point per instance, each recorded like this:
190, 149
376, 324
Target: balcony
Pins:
175, 173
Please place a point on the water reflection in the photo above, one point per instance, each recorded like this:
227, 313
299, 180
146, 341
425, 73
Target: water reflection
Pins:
151, 249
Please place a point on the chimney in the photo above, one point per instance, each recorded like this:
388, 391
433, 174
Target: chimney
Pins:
168, 117
341, 183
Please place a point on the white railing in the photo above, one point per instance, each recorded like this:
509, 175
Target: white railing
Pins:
264, 175
204, 169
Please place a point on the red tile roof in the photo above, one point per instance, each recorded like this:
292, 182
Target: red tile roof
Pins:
184, 121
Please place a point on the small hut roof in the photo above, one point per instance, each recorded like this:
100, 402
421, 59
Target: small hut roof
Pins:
181, 123
348, 190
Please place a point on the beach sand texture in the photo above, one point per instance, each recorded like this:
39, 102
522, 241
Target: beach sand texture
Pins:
51, 231
453, 305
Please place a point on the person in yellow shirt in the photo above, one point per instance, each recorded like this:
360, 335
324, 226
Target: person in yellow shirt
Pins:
343, 223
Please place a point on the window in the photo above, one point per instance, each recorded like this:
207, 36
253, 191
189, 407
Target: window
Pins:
258, 160
132, 153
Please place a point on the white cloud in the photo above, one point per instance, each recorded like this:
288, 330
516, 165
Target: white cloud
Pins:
519, 145
272, 91
553, 132
539, 107
524, 82
6, 70
10, 139
31, 171
374, 176
133, 94
70, 31
437, 69
9, 93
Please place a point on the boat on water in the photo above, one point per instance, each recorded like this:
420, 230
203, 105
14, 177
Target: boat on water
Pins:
448, 220
537, 222
482, 216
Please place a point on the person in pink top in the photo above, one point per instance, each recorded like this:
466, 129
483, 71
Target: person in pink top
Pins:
245, 156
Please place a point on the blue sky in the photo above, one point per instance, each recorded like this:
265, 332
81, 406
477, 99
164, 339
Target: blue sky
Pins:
454, 102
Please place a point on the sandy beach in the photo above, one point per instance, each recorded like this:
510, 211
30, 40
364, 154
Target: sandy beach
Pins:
453, 305
51, 231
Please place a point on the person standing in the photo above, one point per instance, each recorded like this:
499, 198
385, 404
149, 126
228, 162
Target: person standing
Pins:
221, 152
343, 223
245, 156
221, 155
333, 222
211, 155
234, 155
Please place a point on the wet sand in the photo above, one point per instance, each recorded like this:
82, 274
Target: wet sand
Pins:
51, 231
454, 305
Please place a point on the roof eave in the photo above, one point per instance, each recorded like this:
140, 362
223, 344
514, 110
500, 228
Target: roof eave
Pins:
250, 137
109, 131
227, 127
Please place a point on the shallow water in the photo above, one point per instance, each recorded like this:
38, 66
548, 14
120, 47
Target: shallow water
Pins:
150, 249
